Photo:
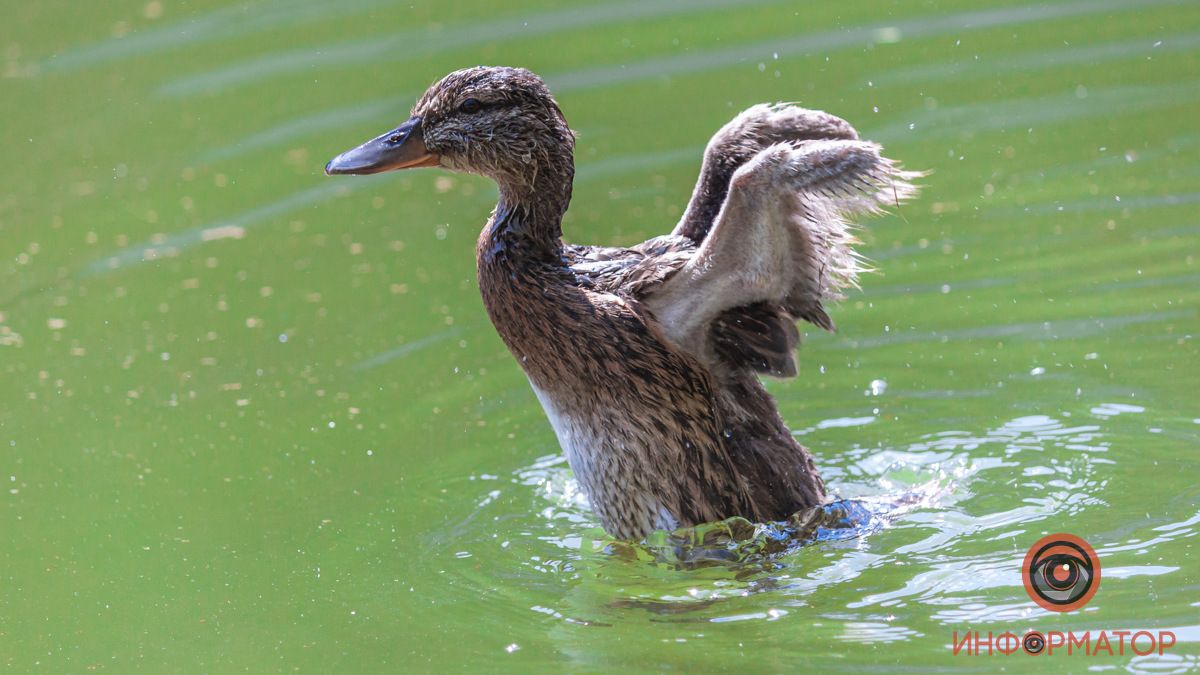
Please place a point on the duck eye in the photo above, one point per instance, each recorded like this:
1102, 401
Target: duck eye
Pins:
470, 106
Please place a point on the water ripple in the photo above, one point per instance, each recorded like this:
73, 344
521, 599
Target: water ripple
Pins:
662, 67
234, 227
1065, 329
423, 41
1007, 62
1029, 112
212, 27
308, 124
1058, 464
406, 349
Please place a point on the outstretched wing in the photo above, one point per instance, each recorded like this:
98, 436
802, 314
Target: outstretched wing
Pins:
638, 269
780, 245
736, 143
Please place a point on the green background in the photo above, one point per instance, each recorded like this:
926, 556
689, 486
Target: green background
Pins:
255, 419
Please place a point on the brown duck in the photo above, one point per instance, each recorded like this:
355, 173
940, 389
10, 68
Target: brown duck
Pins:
647, 359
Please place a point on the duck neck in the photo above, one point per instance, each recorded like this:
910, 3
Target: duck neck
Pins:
527, 222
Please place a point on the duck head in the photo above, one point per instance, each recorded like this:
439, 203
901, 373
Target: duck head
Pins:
495, 121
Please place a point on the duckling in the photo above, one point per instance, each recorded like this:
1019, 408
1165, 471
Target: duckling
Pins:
647, 359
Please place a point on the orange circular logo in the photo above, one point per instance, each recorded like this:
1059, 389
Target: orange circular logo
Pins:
1061, 572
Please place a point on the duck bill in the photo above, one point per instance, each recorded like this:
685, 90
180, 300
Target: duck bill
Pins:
400, 148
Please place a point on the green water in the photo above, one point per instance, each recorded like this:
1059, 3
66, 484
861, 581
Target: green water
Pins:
254, 419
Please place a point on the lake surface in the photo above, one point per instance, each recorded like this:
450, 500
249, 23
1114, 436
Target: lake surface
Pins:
255, 419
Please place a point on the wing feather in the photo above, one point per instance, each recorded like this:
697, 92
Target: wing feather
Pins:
736, 143
781, 245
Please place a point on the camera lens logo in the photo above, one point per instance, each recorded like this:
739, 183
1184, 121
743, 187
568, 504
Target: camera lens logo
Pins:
1033, 642
1061, 572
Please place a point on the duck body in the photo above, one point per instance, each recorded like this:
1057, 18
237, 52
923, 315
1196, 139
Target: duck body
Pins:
647, 359
653, 438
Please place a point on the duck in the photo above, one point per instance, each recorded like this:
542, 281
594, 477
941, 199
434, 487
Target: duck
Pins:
648, 359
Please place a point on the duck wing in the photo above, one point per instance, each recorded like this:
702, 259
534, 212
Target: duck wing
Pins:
779, 246
736, 143
638, 269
